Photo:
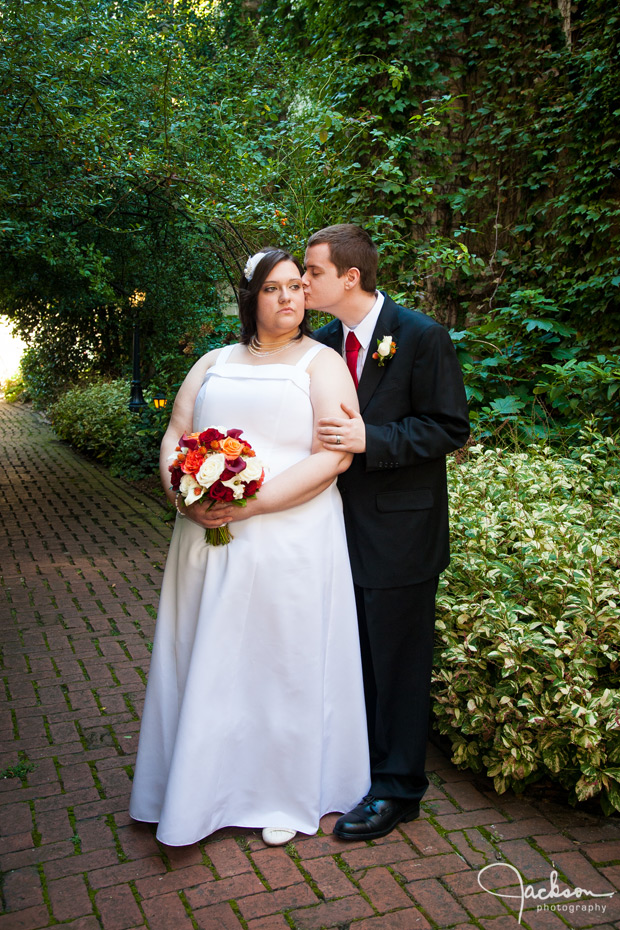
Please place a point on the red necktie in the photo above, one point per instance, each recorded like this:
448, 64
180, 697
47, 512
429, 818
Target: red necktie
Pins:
352, 347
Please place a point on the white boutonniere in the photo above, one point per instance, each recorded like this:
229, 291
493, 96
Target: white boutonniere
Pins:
386, 348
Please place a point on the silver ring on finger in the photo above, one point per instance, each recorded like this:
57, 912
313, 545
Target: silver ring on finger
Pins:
338, 440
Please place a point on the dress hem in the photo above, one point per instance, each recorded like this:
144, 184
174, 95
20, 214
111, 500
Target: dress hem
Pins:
240, 826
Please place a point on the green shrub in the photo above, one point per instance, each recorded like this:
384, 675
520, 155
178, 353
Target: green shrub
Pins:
96, 420
527, 370
12, 389
51, 364
528, 631
582, 388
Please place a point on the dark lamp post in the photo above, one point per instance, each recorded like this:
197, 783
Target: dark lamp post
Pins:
160, 400
136, 401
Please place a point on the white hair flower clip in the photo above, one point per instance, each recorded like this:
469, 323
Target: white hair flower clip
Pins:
250, 266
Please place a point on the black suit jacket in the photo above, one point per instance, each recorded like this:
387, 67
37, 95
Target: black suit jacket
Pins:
395, 494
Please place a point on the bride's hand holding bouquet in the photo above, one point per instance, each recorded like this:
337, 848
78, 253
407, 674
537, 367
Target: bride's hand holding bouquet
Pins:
217, 469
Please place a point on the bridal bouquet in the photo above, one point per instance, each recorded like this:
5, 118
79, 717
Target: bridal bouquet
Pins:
219, 466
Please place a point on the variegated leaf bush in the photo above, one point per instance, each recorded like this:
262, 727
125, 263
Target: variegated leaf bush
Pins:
527, 681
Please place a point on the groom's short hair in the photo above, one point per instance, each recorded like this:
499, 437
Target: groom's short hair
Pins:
350, 246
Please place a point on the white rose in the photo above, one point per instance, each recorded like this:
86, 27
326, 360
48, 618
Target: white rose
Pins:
385, 346
188, 487
252, 471
237, 485
211, 469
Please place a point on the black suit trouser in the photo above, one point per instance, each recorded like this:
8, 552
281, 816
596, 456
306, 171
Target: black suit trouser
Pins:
396, 637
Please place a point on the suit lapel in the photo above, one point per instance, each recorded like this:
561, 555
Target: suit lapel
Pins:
372, 372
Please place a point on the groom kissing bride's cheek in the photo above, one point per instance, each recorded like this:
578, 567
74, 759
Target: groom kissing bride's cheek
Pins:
412, 413
307, 472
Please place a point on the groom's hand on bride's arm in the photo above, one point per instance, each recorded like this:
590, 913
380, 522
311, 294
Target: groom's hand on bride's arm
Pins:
351, 430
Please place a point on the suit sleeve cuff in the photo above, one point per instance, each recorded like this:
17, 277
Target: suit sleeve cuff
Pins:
377, 455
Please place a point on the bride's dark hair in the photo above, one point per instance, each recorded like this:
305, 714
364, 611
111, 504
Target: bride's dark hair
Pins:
249, 291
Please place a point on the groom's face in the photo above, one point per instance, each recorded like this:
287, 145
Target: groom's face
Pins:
323, 289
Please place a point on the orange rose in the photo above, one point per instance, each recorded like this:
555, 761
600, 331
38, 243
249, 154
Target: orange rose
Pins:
193, 461
231, 448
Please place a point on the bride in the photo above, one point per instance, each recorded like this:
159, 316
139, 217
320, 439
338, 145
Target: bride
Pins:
254, 712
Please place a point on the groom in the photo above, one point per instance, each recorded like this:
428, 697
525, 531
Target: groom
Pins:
413, 412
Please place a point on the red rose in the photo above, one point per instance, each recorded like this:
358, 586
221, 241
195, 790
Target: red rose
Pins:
175, 478
219, 492
210, 435
251, 488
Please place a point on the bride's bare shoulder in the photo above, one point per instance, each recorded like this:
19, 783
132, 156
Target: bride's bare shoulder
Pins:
327, 359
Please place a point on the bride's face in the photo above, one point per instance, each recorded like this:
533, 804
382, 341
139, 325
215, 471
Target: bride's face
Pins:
280, 302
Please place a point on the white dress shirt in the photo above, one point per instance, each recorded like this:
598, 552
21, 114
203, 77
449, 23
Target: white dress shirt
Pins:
363, 332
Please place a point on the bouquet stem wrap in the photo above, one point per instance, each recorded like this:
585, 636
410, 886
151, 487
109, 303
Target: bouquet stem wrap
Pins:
218, 535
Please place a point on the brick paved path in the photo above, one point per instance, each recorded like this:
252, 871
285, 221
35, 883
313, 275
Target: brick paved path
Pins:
81, 562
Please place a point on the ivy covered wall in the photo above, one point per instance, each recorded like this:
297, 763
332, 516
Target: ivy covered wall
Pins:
525, 161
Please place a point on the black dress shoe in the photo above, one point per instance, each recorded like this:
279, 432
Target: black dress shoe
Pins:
375, 817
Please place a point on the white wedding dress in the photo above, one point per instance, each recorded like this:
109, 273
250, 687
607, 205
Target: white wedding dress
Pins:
254, 713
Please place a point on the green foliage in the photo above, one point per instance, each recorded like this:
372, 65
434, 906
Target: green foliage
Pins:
56, 358
146, 152
528, 629
580, 389
526, 373
171, 368
523, 166
96, 420
101, 117
149, 150
13, 389
19, 770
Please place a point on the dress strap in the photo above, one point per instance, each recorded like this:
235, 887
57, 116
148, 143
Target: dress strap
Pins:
224, 354
305, 360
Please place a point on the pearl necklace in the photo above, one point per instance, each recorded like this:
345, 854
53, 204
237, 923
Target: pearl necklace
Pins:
262, 349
